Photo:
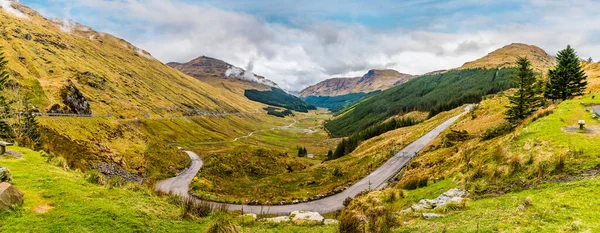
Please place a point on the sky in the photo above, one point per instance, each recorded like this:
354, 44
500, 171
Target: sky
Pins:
299, 43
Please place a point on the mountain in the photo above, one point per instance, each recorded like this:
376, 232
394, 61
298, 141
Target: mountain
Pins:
440, 91
338, 102
62, 66
506, 57
213, 70
372, 81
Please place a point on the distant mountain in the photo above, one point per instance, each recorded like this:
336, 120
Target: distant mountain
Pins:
441, 91
205, 68
372, 81
506, 57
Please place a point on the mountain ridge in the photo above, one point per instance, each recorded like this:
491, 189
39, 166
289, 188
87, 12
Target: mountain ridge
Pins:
373, 80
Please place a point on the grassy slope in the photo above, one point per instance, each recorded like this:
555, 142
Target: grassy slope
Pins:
80, 206
129, 82
425, 93
533, 158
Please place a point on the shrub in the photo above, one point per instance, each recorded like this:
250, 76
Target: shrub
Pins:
337, 172
93, 176
196, 208
352, 222
497, 131
223, 224
115, 181
347, 201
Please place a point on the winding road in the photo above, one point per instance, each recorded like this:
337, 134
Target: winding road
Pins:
376, 180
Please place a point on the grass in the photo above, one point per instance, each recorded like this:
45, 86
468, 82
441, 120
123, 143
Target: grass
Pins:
80, 206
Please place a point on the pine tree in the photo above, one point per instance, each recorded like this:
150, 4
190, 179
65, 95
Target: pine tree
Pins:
5, 130
330, 155
567, 79
340, 149
526, 100
28, 126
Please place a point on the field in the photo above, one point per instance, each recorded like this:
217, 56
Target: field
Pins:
73, 204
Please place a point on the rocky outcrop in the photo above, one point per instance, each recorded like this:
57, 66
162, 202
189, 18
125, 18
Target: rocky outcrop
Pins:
74, 100
306, 216
5, 175
111, 170
452, 195
372, 81
9, 196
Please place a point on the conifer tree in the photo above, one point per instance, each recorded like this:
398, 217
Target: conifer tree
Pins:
566, 79
526, 100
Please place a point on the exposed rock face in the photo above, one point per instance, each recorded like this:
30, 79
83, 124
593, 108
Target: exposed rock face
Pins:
110, 170
371, 81
306, 216
9, 196
507, 57
74, 100
279, 219
206, 67
5, 175
452, 195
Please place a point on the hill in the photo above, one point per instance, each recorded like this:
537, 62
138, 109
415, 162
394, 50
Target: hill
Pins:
50, 60
216, 72
506, 57
279, 98
372, 81
337, 103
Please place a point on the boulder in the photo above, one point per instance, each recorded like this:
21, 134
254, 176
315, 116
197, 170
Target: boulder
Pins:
452, 195
252, 216
279, 219
9, 196
306, 216
5, 175
330, 222
432, 215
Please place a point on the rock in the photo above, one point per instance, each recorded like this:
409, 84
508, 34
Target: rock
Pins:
9, 196
279, 219
431, 215
306, 216
74, 100
330, 222
452, 195
111, 169
5, 175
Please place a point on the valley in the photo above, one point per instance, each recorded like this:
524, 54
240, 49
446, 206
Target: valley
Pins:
103, 137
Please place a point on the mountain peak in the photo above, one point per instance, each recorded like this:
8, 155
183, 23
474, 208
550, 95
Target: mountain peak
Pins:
208, 67
373, 80
507, 57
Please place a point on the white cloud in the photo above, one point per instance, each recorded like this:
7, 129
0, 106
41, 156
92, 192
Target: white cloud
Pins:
6, 5
297, 55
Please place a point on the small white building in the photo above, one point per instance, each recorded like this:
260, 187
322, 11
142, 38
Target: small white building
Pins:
310, 156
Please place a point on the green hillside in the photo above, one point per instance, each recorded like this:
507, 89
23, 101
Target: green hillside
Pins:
337, 103
279, 98
432, 93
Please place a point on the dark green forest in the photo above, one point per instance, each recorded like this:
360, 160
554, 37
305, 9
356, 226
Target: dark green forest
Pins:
337, 103
279, 98
431, 93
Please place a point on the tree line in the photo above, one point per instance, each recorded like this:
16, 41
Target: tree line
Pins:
565, 81
348, 145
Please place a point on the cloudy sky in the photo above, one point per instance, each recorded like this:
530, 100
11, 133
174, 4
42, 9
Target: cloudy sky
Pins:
298, 43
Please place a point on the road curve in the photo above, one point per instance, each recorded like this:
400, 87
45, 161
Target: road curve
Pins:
376, 180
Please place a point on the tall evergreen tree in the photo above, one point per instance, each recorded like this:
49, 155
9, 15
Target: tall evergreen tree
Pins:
5, 130
567, 79
28, 126
526, 100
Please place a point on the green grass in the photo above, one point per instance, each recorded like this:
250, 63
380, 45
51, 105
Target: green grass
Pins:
80, 206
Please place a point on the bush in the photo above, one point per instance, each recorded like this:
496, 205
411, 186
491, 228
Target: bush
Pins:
337, 172
196, 208
115, 181
223, 224
498, 131
352, 222
93, 176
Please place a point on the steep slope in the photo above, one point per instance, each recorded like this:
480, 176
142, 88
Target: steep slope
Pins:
339, 102
222, 74
372, 81
441, 91
52, 61
506, 57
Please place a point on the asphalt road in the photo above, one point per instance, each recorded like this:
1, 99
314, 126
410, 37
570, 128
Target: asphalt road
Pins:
376, 180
